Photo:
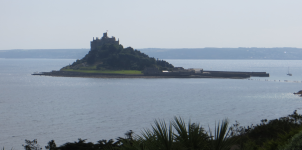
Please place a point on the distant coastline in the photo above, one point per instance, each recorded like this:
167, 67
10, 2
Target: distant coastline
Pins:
286, 53
253, 53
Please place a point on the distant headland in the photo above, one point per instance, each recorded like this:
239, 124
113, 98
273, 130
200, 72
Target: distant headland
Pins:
240, 53
107, 58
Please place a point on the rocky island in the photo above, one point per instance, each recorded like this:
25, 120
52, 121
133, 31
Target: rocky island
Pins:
107, 58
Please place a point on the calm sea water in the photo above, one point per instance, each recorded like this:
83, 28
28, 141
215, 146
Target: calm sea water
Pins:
65, 109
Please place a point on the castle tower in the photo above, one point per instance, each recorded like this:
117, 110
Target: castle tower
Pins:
105, 35
104, 40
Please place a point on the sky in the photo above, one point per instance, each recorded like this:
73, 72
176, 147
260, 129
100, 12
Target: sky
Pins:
65, 24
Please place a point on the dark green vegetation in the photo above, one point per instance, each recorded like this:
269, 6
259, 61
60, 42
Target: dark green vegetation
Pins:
284, 133
106, 71
115, 57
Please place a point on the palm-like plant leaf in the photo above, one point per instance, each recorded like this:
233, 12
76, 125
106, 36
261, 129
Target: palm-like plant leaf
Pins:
221, 136
160, 137
164, 135
191, 138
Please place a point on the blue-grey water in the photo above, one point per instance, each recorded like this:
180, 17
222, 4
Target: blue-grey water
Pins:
65, 109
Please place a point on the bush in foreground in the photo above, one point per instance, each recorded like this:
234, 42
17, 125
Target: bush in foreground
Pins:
284, 133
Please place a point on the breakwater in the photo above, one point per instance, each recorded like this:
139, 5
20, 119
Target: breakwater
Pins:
252, 74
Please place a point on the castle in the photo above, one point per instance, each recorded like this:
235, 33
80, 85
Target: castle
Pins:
104, 40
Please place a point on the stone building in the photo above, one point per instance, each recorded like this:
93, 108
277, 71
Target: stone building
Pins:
104, 40
151, 71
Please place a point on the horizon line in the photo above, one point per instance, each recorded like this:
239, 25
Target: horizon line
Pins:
147, 48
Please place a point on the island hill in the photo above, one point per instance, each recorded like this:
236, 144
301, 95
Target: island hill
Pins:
107, 58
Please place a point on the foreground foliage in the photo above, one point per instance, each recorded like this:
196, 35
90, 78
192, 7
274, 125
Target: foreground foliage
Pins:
284, 133
294, 143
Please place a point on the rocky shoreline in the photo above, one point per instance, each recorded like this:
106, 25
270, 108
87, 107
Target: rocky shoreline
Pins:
299, 93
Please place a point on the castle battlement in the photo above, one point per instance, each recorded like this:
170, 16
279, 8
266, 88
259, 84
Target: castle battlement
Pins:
104, 40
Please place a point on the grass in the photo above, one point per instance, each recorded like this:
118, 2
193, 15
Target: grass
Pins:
106, 71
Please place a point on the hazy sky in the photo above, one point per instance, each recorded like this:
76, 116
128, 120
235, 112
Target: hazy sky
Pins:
52, 24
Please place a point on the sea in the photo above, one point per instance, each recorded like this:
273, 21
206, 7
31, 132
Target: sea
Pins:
65, 109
